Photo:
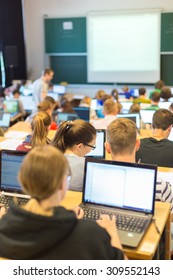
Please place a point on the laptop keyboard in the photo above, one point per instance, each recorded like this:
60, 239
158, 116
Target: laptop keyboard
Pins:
123, 222
7, 200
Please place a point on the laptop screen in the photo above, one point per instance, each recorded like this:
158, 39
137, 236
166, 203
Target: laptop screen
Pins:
9, 168
11, 106
66, 117
147, 115
83, 113
133, 117
126, 106
4, 120
99, 151
119, 184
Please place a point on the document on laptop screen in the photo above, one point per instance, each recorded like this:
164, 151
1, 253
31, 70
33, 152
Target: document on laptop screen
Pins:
120, 186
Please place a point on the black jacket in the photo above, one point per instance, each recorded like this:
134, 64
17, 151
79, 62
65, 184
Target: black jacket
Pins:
24, 235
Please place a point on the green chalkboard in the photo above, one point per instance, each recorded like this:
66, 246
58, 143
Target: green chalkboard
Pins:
70, 69
167, 69
167, 32
65, 35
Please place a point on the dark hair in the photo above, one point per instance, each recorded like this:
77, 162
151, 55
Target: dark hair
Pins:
16, 91
71, 133
142, 91
165, 93
115, 94
162, 119
155, 96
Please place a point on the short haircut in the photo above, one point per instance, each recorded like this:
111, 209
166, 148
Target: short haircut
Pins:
159, 84
42, 171
155, 96
110, 107
121, 135
47, 71
142, 91
16, 91
71, 133
134, 108
162, 119
165, 93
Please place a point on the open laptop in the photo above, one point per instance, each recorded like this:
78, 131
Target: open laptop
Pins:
61, 117
134, 117
4, 121
10, 162
116, 188
12, 107
99, 151
164, 105
83, 113
147, 116
126, 106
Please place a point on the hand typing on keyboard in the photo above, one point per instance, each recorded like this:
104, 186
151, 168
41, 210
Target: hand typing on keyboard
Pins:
2, 211
109, 224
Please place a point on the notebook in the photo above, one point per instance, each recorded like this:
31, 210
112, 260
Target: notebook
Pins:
10, 162
133, 117
12, 107
83, 113
99, 151
147, 116
4, 120
117, 187
66, 117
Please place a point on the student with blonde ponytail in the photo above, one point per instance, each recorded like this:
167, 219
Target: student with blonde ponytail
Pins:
40, 127
75, 139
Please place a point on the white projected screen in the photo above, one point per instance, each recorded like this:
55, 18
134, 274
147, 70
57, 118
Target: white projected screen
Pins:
123, 47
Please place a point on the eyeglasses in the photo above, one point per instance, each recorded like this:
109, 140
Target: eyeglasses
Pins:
91, 146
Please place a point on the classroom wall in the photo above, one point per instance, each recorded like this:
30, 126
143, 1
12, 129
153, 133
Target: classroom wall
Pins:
35, 10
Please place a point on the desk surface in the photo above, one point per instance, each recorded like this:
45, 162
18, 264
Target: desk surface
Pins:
148, 246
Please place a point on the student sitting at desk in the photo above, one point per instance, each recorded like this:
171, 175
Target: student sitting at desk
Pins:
16, 95
142, 97
75, 139
40, 127
45, 230
122, 144
110, 110
158, 149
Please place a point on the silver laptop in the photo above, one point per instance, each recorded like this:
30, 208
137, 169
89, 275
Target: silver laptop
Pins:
133, 117
126, 106
118, 188
147, 116
4, 121
99, 151
10, 162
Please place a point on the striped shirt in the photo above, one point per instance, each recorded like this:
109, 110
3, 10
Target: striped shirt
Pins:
164, 192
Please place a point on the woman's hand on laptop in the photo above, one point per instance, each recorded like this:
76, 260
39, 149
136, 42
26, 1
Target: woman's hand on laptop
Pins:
109, 224
3, 210
79, 212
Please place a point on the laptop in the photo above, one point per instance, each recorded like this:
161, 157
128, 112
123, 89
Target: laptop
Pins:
10, 162
147, 116
164, 105
4, 121
126, 106
12, 107
83, 113
99, 151
66, 117
134, 117
117, 188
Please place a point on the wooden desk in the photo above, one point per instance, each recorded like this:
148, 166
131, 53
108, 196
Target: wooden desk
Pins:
25, 126
149, 244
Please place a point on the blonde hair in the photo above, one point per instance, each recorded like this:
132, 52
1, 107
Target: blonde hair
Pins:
121, 135
39, 125
42, 171
44, 106
110, 107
